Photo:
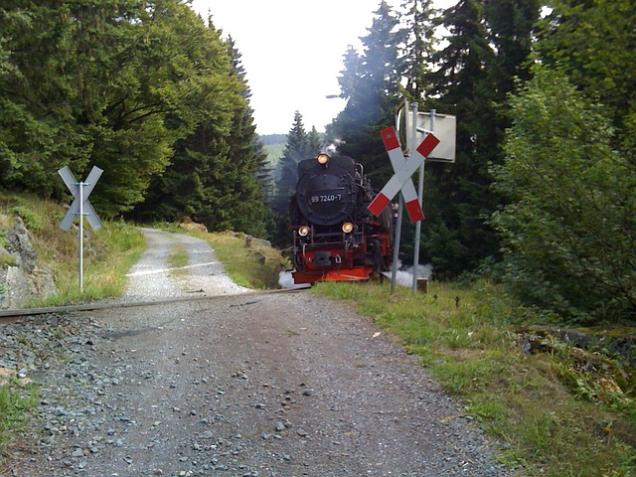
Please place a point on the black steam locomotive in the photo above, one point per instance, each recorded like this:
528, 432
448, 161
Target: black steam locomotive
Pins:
335, 237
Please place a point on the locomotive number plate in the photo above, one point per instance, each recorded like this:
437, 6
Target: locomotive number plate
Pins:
315, 199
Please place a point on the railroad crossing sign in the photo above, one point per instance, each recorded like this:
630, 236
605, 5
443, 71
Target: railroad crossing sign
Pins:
82, 207
80, 190
403, 170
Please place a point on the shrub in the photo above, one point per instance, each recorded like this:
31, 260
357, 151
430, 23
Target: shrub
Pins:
568, 232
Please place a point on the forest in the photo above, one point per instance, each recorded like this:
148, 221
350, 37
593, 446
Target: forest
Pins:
541, 196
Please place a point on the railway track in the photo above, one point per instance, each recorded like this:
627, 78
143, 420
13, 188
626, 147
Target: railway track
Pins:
12, 315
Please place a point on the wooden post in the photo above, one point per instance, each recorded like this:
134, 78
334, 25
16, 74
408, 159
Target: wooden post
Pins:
422, 285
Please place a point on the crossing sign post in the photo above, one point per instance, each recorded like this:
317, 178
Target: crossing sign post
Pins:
422, 146
81, 207
401, 182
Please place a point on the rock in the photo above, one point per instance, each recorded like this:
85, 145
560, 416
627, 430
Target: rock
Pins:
301, 432
22, 280
19, 244
280, 427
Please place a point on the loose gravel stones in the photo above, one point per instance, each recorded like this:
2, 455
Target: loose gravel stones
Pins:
318, 398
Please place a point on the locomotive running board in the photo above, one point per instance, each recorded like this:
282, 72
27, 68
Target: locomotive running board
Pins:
354, 274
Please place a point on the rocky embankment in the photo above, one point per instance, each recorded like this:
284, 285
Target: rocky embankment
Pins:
22, 277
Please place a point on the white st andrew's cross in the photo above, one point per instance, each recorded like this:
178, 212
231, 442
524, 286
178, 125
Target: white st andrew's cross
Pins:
403, 170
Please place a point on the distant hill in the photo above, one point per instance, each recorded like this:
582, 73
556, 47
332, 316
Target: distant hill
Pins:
268, 139
274, 145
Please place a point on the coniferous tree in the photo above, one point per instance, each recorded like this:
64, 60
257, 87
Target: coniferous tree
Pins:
418, 36
247, 155
370, 84
295, 151
458, 237
199, 182
314, 143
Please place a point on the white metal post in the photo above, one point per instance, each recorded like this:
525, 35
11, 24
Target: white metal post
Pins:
420, 193
396, 244
81, 236
398, 223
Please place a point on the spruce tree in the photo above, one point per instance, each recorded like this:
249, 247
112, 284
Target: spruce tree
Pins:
314, 142
370, 84
418, 36
459, 236
246, 154
295, 151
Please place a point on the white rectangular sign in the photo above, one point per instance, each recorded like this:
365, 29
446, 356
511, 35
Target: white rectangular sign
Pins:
444, 127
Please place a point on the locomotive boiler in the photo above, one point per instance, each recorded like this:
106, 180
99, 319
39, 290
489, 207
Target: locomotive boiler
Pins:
335, 237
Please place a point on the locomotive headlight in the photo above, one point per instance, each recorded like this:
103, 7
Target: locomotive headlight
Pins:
347, 227
322, 158
303, 230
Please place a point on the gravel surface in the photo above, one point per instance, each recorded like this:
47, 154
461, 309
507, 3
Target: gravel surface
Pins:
260, 385
268, 385
152, 277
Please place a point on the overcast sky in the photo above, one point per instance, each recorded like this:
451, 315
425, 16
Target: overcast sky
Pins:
292, 51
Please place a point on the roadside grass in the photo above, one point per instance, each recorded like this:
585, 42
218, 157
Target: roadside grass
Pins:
256, 265
109, 252
552, 416
16, 400
178, 256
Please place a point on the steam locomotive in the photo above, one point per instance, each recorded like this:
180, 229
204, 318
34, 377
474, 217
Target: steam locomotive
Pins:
335, 237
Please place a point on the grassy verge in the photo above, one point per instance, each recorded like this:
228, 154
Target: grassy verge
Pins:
554, 415
256, 266
178, 257
15, 401
109, 252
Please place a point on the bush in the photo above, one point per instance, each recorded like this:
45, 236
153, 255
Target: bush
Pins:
568, 231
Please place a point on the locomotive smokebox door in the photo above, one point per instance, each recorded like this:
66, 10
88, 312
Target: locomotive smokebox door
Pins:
325, 194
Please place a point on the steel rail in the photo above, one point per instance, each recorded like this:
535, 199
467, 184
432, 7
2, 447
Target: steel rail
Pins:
24, 312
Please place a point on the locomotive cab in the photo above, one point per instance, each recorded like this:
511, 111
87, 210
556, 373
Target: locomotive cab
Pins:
335, 237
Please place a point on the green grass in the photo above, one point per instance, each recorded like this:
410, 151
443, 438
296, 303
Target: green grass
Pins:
109, 252
16, 400
256, 266
178, 256
531, 402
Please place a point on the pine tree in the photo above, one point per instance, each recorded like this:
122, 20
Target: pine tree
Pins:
314, 142
247, 156
370, 83
295, 151
459, 237
419, 45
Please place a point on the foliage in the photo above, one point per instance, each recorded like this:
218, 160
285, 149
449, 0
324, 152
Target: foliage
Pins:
212, 177
419, 43
63, 105
16, 400
370, 84
569, 232
109, 252
131, 87
548, 427
594, 43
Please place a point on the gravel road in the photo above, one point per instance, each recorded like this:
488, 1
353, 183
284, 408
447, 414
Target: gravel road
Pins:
261, 385
153, 278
